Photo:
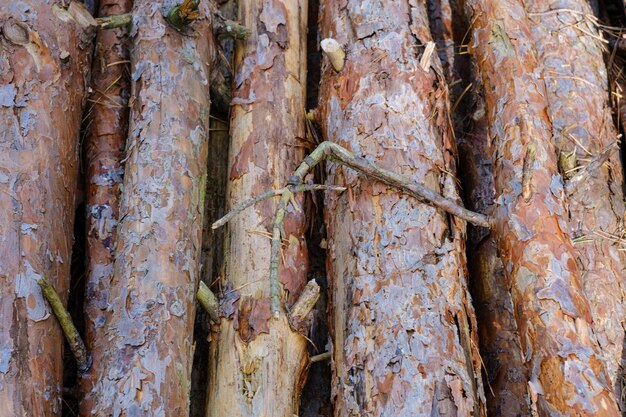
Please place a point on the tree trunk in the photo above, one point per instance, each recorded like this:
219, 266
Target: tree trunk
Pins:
566, 373
44, 63
505, 371
212, 256
147, 355
258, 361
221, 53
402, 319
576, 80
498, 338
104, 145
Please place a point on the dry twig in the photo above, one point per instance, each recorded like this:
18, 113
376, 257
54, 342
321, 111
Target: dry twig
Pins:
77, 346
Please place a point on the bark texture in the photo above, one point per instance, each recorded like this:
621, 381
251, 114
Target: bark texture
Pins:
505, 371
44, 64
402, 319
566, 372
573, 67
104, 146
212, 256
258, 362
149, 323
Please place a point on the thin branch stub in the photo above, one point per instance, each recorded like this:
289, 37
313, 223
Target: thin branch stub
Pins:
77, 346
305, 303
208, 301
231, 28
334, 52
269, 194
598, 160
114, 21
321, 357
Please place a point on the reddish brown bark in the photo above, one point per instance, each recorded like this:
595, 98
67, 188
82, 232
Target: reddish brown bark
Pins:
44, 62
573, 67
145, 367
401, 318
104, 145
505, 371
566, 373
258, 361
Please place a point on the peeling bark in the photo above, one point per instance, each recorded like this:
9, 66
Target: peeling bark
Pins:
258, 362
402, 320
505, 371
566, 373
212, 255
104, 145
149, 322
573, 67
44, 62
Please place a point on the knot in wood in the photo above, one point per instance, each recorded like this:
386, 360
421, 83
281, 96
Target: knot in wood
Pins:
16, 32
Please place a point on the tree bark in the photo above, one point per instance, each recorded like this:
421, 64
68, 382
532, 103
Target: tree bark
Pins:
505, 371
402, 320
104, 146
258, 362
44, 63
147, 355
212, 256
576, 79
566, 372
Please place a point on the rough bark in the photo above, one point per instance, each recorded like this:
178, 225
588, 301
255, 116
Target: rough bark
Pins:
566, 372
570, 54
147, 355
104, 145
44, 62
505, 371
212, 256
402, 319
258, 361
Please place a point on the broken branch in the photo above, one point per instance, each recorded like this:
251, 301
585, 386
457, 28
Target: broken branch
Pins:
275, 250
115, 21
230, 28
335, 152
321, 357
208, 301
305, 302
334, 52
572, 185
77, 346
269, 194
424, 194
